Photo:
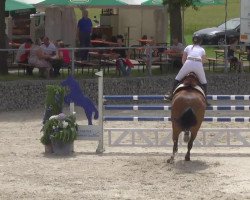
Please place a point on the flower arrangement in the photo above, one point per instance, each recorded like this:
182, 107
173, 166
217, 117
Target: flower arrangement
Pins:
59, 128
54, 101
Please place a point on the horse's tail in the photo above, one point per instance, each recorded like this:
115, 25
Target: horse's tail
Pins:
187, 119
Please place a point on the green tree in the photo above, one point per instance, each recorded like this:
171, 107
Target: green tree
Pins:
3, 54
174, 9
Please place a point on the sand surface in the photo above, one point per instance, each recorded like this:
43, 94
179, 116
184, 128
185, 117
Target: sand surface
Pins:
120, 173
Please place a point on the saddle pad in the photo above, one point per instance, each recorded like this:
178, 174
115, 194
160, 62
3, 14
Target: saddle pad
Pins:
197, 87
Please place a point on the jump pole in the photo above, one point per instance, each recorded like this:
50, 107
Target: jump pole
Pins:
100, 149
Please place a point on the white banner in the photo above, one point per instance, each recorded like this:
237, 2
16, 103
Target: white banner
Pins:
89, 132
245, 21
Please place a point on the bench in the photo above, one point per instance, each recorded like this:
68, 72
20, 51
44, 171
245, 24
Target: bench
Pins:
21, 66
82, 64
213, 62
245, 60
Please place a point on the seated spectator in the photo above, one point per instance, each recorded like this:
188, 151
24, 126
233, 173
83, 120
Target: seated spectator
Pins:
50, 50
39, 59
248, 51
234, 61
23, 54
144, 37
63, 54
122, 61
48, 47
177, 48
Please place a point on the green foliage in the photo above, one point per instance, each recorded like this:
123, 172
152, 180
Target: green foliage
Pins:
55, 98
182, 3
59, 128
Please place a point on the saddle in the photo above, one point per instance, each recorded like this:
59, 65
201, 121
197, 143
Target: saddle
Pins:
190, 81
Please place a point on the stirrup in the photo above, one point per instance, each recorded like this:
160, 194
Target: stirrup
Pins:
207, 103
168, 97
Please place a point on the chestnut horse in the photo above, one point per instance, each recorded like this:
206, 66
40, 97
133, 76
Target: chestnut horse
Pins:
187, 113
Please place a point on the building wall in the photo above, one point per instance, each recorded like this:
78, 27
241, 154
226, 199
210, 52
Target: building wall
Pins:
142, 21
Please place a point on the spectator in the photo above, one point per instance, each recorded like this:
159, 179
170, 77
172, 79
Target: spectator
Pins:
122, 62
23, 54
50, 50
234, 61
84, 30
248, 51
39, 59
63, 54
143, 40
177, 48
48, 47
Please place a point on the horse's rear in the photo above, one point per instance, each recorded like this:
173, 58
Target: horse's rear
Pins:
188, 110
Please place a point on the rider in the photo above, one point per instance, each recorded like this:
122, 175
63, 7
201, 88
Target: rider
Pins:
192, 59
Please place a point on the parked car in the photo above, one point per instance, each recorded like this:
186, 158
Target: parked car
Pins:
216, 35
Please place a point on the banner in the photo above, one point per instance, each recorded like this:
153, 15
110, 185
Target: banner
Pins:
245, 21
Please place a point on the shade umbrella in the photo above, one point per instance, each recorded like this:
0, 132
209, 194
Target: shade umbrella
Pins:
208, 2
88, 3
152, 3
11, 5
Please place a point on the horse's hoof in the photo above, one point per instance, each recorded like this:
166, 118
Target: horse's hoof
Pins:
170, 161
187, 158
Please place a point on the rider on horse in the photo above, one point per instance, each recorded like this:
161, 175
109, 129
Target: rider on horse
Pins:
192, 59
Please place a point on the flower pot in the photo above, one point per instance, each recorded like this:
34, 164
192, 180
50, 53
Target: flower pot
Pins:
61, 148
48, 148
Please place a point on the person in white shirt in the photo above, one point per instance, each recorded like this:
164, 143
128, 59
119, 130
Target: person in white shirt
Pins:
48, 47
50, 50
192, 59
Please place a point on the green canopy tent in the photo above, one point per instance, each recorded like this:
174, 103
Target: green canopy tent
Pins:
152, 3
87, 3
15, 7
196, 2
208, 2
11, 5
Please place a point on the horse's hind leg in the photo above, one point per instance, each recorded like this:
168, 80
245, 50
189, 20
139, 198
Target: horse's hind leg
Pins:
190, 145
175, 147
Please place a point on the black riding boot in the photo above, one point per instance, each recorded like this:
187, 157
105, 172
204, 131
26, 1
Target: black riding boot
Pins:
205, 91
175, 84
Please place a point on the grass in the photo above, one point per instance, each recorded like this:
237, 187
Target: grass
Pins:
209, 16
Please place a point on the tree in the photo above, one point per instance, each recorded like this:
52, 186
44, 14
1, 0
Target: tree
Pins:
174, 9
3, 54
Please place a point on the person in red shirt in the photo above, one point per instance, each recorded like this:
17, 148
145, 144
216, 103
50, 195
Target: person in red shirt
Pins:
64, 54
23, 54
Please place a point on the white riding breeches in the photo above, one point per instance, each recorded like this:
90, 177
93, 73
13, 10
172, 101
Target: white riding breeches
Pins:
192, 66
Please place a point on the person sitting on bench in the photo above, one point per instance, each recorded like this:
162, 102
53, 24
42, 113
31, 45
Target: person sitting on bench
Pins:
23, 54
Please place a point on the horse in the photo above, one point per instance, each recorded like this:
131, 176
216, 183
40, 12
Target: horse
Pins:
187, 113
76, 96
